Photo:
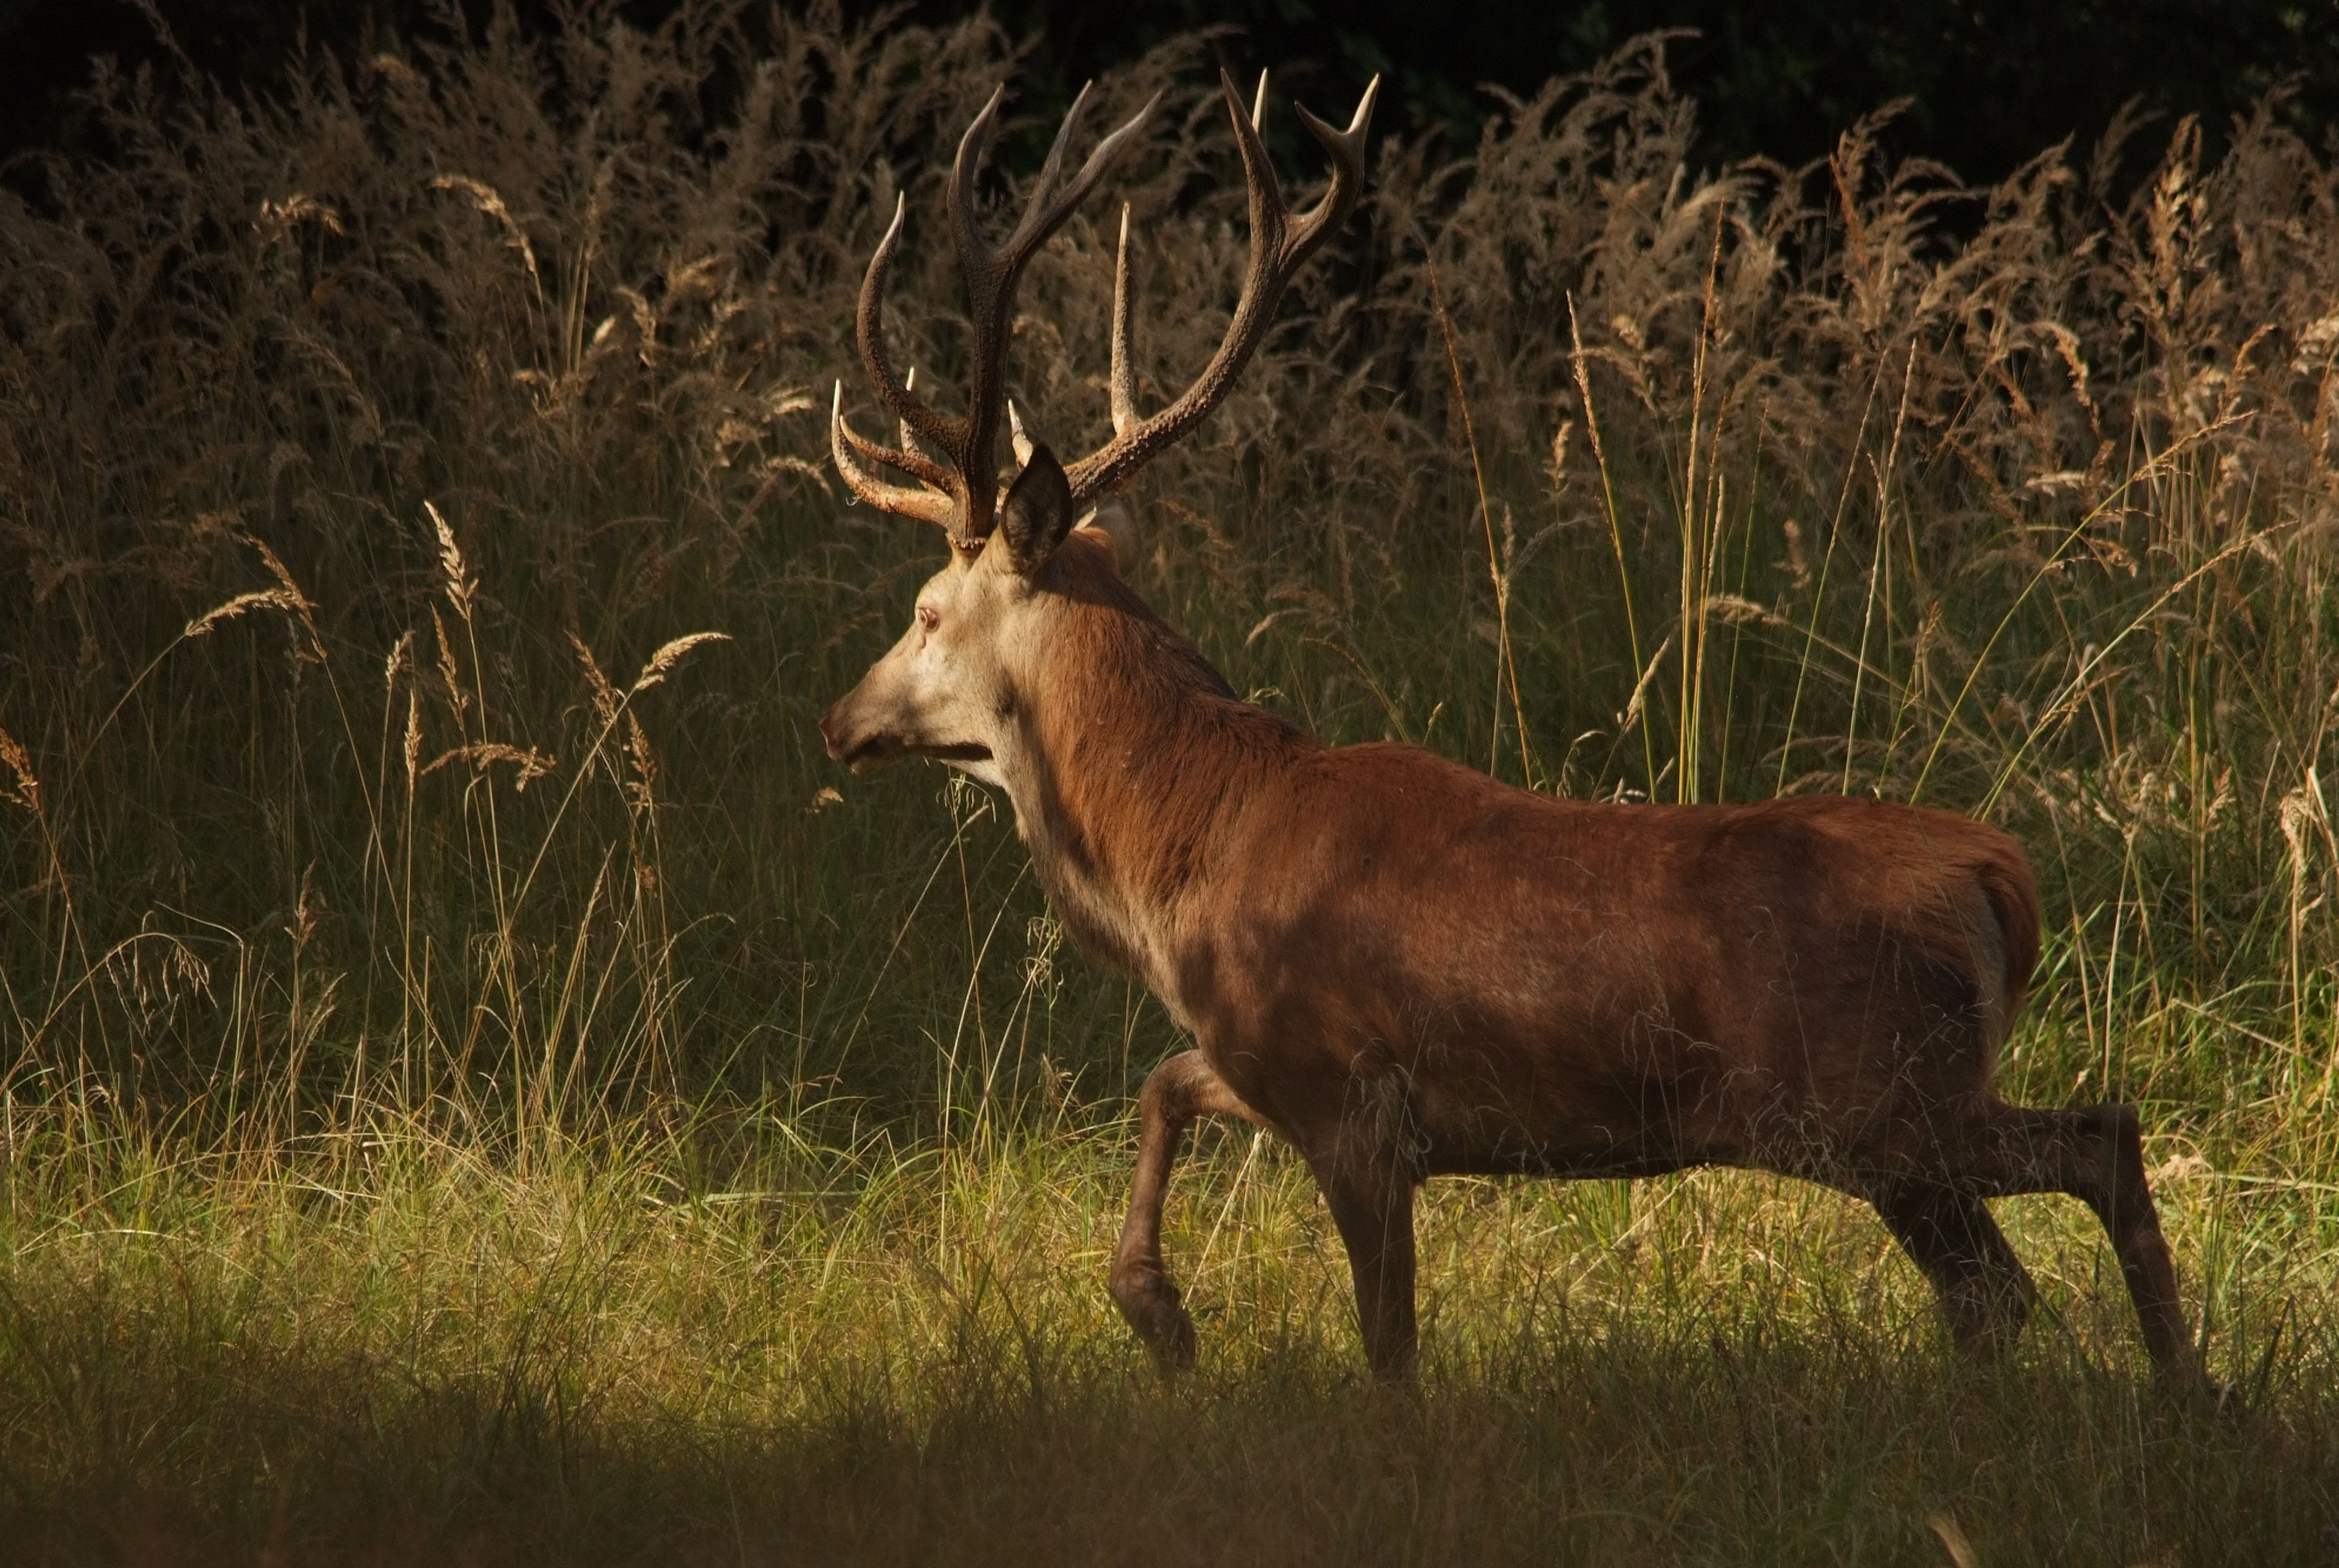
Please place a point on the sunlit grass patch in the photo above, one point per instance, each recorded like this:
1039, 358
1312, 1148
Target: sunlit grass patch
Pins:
391, 1346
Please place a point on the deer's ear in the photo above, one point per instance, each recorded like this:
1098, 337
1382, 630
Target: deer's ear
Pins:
1038, 513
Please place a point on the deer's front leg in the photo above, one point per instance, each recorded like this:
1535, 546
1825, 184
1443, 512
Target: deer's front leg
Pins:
1180, 1090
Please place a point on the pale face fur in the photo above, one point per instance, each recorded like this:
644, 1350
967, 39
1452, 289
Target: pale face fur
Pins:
947, 689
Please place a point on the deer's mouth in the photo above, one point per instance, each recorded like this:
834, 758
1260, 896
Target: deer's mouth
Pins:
871, 754
883, 751
865, 753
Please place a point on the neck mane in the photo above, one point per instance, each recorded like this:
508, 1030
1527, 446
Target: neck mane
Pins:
1135, 759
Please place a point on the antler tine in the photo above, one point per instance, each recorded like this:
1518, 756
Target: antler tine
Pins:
906, 458
932, 505
1124, 367
959, 200
1045, 214
869, 326
1347, 151
902, 438
1277, 249
1017, 438
1041, 215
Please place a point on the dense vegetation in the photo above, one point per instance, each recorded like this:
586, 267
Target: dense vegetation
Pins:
479, 1080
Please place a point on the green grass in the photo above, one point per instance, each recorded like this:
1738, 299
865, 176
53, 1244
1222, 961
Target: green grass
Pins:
384, 1345
467, 1099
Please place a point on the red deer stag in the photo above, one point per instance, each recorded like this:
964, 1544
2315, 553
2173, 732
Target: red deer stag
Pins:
1404, 967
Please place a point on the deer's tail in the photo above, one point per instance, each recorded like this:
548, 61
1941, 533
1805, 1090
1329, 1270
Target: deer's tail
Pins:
2013, 895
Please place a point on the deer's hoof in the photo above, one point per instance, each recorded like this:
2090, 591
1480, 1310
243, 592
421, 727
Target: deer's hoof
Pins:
1149, 1304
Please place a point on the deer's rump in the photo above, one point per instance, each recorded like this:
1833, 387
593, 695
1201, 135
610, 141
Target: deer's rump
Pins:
1544, 985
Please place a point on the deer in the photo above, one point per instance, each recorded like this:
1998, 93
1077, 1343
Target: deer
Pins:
1403, 967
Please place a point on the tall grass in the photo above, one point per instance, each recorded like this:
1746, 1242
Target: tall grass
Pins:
475, 1074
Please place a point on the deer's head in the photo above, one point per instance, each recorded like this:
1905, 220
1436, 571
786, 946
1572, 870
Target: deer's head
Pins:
948, 689
983, 626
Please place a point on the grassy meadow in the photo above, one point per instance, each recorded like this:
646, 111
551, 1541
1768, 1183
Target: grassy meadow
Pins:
477, 1084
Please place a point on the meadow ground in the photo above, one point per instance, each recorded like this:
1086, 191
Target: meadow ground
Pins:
389, 1348
480, 1085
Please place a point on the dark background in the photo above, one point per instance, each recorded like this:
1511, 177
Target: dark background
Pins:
1992, 81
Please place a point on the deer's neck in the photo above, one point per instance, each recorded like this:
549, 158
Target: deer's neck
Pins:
1132, 763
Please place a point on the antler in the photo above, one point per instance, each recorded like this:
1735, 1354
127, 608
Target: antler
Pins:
962, 494
1279, 244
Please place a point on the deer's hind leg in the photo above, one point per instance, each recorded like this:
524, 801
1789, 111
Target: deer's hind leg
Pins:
1181, 1088
1985, 1292
2096, 1154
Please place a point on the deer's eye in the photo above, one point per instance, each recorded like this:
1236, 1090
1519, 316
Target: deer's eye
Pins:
928, 618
